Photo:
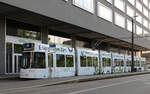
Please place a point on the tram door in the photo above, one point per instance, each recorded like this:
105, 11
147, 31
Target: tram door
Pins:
17, 62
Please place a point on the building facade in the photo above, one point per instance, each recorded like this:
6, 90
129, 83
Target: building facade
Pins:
78, 23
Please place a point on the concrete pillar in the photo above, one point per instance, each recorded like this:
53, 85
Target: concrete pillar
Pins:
2, 44
76, 56
44, 34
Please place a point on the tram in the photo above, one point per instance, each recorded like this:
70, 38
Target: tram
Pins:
44, 61
106, 62
87, 61
51, 61
137, 64
118, 63
143, 63
127, 63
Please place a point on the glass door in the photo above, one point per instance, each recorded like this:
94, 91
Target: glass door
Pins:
17, 63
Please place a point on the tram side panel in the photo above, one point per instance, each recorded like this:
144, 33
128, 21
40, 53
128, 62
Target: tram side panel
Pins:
87, 62
142, 64
118, 63
106, 62
137, 64
128, 63
64, 63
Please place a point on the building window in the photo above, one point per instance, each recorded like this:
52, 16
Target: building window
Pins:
139, 18
138, 5
145, 33
145, 2
119, 20
130, 11
145, 12
145, 23
18, 48
104, 12
85, 4
120, 4
129, 25
110, 1
139, 30
29, 34
131, 1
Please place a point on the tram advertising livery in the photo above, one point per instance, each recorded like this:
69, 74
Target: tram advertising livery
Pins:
50, 61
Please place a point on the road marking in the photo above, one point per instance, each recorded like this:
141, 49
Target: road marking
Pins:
91, 89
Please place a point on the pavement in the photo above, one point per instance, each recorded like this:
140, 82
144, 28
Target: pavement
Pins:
8, 83
137, 84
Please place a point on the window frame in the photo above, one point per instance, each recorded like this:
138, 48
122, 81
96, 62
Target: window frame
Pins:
84, 8
100, 5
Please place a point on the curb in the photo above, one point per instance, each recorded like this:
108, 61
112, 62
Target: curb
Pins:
9, 78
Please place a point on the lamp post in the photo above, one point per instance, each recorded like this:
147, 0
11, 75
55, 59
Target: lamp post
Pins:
132, 45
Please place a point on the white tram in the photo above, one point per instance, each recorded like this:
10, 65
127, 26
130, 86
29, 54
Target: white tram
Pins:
118, 63
127, 63
106, 62
143, 64
87, 62
137, 63
43, 61
50, 61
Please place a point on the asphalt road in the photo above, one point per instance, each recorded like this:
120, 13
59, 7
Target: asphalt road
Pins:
128, 85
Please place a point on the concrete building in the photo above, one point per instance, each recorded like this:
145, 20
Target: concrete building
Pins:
85, 22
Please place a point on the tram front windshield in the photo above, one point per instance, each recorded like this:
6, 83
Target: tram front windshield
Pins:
34, 60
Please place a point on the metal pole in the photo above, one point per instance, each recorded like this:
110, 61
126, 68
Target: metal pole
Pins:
99, 56
132, 46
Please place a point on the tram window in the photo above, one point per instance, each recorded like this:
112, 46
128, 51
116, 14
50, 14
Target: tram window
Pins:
95, 61
106, 62
27, 60
103, 62
18, 48
128, 63
50, 60
122, 63
39, 60
69, 61
116, 62
60, 60
137, 63
89, 61
82, 61
142, 63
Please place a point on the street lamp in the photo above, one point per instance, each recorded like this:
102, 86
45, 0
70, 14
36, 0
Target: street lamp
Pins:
132, 45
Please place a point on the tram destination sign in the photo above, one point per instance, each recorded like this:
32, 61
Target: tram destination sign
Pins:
28, 46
